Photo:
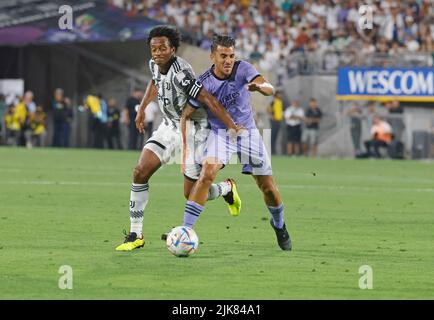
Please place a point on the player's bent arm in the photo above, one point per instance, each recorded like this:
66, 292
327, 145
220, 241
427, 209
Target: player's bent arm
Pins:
217, 109
150, 94
186, 113
261, 85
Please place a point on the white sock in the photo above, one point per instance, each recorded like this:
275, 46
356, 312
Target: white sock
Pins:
226, 187
217, 190
138, 200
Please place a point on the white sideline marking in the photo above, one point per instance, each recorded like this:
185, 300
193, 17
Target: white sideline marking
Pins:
177, 185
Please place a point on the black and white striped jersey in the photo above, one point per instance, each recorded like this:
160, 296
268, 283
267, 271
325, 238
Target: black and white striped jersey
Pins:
174, 90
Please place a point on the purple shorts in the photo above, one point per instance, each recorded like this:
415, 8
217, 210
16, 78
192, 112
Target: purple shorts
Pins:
249, 149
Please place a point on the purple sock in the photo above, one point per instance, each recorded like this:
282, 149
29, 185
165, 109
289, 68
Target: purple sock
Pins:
191, 213
277, 214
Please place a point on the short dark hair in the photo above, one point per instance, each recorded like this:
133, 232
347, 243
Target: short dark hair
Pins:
171, 33
222, 40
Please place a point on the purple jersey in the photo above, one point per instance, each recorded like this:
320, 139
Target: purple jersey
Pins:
231, 93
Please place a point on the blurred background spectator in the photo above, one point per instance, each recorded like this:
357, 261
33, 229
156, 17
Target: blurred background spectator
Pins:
432, 136
135, 140
62, 117
395, 119
3, 108
275, 111
381, 136
113, 125
38, 127
310, 135
30, 108
355, 114
100, 123
13, 125
294, 116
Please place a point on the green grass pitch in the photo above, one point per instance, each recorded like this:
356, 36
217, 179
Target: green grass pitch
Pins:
69, 207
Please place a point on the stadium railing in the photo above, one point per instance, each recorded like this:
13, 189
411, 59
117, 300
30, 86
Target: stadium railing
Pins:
327, 62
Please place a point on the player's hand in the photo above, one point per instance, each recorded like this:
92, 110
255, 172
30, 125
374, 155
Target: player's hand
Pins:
235, 132
140, 122
253, 87
239, 129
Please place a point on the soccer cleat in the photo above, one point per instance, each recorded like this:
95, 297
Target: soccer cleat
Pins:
131, 242
233, 199
283, 238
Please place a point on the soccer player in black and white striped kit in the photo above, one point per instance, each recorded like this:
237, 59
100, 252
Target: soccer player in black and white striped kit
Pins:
173, 83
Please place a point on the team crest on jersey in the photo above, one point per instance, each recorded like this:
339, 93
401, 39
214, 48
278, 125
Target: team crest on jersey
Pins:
168, 86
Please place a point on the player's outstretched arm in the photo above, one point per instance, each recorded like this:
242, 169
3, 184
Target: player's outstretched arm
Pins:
150, 94
217, 109
186, 113
261, 85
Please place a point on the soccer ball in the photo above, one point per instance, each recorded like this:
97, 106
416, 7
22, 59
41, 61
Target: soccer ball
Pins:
182, 241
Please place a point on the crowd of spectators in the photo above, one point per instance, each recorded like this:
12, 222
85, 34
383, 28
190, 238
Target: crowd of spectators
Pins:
269, 31
302, 125
25, 123
385, 124
107, 118
299, 126
22, 121
112, 125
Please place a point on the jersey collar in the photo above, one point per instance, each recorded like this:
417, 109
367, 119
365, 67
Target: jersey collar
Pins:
171, 61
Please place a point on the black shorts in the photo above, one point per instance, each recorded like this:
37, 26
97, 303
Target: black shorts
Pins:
294, 133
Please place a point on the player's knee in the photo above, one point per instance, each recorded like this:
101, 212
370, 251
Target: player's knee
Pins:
208, 175
140, 174
206, 179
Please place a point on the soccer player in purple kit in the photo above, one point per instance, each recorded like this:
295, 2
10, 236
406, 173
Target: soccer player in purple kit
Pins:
230, 82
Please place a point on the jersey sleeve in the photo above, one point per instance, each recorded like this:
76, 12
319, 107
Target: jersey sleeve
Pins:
194, 103
187, 83
206, 85
249, 72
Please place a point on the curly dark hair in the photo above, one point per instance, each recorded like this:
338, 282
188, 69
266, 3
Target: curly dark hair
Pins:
171, 33
222, 40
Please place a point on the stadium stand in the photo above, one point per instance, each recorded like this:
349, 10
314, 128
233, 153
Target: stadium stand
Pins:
315, 34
